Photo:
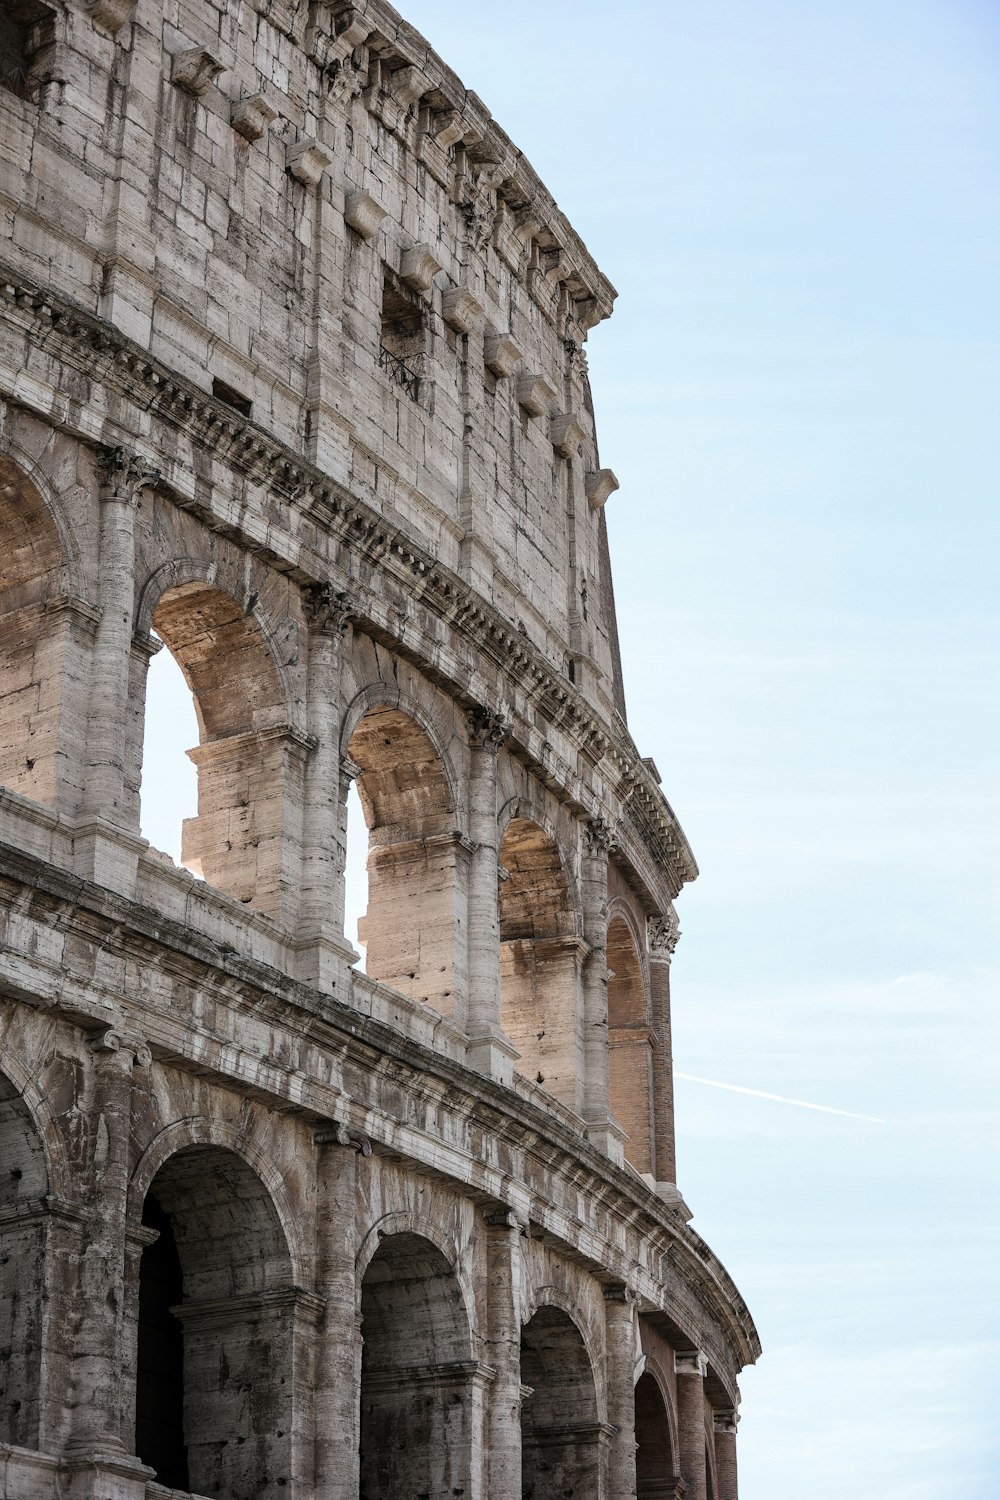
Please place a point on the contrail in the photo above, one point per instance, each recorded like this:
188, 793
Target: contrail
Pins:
735, 1088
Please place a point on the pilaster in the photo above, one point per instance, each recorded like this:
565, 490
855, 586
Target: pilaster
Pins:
620, 1341
725, 1424
662, 935
691, 1368
337, 1395
503, 1251
324, 954
490, 1051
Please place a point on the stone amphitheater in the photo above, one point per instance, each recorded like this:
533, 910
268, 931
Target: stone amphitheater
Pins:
293, 385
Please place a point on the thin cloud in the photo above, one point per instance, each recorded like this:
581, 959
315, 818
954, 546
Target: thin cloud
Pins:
735, 1088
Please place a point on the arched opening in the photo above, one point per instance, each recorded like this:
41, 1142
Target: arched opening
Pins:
540, 960
250, 763
214, 1361
168, 773
630, 1058
23, 1191
655, 1472
417, 1375
413, 927
560, 1432
40, 635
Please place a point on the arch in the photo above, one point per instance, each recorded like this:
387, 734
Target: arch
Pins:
630, 1057
202, 1130
540, 958
560, 1427
215, 1328
418, 1375
405, 1222
36, 639
24, 1184
250, 759
655, 1436
414, 925
378, 695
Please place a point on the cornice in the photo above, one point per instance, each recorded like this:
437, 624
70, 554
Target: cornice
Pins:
379, 1048
97, 349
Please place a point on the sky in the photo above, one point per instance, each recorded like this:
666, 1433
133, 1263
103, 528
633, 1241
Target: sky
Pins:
800, 207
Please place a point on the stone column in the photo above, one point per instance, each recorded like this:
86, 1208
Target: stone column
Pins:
691, 1368
324, 952
337, 1398
725, 1424
620, 1345
490, 1052
102, 853
503, 1291
594, 1102
662, 935
100, 1363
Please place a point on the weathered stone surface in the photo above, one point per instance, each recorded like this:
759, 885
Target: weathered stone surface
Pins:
270, 1226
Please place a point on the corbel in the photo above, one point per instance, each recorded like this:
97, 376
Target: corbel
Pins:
566, 434
251, 117
307, 160
460, 309
535, 394
407, 85
418, 267
502, 354
363, 214
110, 15
194, 70
599, 484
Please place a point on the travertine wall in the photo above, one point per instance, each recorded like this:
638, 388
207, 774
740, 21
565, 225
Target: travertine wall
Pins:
292, 385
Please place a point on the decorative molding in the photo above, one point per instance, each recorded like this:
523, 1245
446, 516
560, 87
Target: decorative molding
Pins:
418, 267
726, 1421
691, 1362
307, 160
598, 836
460, 309
194, 70
502, 354
327, 609
252, 117
363, 214
487, 730
662, 934
108, 1040
338, 1134
617, 1291
125, 474
480, 202
599, 484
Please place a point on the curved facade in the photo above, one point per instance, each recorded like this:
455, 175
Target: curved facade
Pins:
294, 387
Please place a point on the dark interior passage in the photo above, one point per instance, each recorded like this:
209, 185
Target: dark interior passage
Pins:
159, 1393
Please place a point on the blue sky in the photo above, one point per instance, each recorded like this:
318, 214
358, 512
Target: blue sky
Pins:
800, 207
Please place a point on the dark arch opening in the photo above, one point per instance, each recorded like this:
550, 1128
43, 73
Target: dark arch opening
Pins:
159, 1399
23, 1188
655, 1474
560, 1432
214, 1355
416, 1375
413, 927
539, 960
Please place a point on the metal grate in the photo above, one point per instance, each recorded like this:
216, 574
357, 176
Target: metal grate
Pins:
398, 370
